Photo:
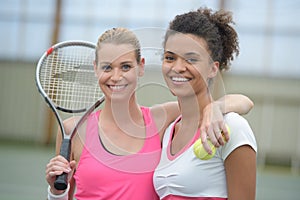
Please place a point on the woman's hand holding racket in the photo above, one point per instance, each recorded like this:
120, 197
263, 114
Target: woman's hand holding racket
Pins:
57, 166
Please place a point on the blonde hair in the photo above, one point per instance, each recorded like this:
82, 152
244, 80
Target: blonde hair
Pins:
119, 36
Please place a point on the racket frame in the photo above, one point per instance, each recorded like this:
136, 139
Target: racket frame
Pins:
65, 149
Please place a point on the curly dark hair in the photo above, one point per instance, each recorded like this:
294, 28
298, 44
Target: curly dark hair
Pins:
214, 27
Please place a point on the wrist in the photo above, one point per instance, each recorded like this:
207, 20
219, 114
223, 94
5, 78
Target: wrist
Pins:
221, 105
58, 195
56, 192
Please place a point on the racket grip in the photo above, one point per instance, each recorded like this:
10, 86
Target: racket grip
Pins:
61, 181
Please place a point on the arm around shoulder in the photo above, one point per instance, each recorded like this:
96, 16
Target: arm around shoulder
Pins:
238, 103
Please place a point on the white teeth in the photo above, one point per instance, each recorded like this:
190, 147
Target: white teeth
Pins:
117, 87
179, 79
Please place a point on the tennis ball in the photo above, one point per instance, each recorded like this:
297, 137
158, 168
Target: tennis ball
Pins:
200, 152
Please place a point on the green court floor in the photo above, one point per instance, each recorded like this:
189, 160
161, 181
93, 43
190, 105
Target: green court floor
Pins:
22, 175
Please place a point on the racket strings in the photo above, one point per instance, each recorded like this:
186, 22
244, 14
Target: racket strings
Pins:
67, 76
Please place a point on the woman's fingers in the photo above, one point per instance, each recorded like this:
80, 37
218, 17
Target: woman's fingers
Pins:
216, 132
205, 144
57, 166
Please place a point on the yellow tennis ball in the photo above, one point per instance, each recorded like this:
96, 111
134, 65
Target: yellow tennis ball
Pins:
201, 153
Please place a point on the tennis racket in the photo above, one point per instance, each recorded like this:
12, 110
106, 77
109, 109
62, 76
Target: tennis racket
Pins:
65, 78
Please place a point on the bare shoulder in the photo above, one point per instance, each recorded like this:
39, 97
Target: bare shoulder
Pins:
169, 109
70, 123
164, 114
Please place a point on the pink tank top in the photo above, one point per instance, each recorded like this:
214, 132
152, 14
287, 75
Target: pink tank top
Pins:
102, 175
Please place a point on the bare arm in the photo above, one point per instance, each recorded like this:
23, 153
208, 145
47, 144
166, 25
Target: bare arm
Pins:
238, 103
58, 164
240, 168
212, 121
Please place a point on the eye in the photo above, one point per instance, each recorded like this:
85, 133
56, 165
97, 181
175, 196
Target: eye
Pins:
126, 67
169, 58
191, 60
106, 68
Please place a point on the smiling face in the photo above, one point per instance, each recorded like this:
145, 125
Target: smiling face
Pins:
187, 65
117, 70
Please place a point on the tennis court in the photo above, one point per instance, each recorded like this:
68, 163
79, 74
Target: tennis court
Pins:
22, 175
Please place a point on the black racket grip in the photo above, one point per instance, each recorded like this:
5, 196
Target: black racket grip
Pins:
61, 181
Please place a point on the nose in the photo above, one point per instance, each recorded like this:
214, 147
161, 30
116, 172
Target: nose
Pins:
179, 65
116, 75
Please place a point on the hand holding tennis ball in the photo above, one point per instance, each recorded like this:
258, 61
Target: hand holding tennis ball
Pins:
201, 153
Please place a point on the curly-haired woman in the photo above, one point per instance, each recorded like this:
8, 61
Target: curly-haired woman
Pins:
197, 46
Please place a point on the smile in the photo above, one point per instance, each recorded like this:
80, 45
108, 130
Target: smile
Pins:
180, 79
117, 87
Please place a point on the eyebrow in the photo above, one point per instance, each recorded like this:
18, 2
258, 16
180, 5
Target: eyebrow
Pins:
192, 54
122, 63
170, 52
186, 54
126, 62
106, 63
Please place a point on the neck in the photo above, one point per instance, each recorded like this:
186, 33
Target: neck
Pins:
126, 115
192, 108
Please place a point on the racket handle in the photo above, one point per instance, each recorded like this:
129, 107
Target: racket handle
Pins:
61, 181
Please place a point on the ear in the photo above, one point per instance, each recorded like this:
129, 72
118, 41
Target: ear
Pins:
141, 67
214, 69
